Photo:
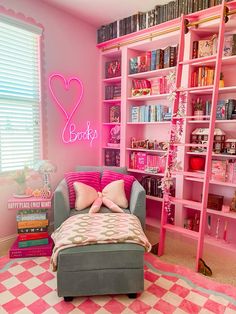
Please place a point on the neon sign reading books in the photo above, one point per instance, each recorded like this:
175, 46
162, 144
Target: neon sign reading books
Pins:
70, 133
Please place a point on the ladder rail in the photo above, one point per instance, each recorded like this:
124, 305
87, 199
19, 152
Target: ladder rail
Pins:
205, 189
179, 69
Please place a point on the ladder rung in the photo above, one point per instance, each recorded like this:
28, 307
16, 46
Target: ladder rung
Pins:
181, 230
191, 204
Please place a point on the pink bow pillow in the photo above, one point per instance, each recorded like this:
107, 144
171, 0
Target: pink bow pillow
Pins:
112, 196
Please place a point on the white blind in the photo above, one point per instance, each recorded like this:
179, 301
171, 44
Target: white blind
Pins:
19, 96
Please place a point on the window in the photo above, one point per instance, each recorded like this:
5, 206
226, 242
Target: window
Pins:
20, 95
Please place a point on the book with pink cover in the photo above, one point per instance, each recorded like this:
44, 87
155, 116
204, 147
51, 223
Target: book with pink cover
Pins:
42, 250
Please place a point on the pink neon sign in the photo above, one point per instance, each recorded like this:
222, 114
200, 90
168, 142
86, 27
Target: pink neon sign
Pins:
69, 132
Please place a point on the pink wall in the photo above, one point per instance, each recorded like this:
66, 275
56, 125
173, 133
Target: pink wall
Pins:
70, 49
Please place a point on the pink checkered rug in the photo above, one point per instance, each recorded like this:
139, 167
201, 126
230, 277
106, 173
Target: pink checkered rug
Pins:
29, 286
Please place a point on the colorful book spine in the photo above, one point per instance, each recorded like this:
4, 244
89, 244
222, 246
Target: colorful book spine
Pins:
29, 243
42, 250
32, 230
27, 217
32, 224
32, 236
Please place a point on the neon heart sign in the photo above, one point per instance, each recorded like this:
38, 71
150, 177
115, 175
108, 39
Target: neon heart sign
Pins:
69, 133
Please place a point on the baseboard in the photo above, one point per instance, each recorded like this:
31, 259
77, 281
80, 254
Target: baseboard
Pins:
5, 243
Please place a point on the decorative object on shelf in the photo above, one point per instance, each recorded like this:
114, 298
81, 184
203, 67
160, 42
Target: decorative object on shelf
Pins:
233, 203
115, 136
230, 146
219, 170
197, 163
198, 108
21, 177
215, 201
113, 69
114, 114
45, 168
221, 82
175, 137
200, 136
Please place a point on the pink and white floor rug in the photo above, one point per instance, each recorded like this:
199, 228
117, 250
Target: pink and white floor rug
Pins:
29, 286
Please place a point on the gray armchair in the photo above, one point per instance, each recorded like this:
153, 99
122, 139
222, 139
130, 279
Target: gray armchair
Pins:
98, 269
62, 210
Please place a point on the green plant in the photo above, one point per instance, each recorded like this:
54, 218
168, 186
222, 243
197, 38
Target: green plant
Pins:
198, 105
21, 176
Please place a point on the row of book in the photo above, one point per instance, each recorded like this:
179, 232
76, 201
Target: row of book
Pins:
225, 109
112, 157
150, 113
113, 91
32, 227
152, 186
208, 47
153, 86
202, 76
154, 60
147, 162
156, 16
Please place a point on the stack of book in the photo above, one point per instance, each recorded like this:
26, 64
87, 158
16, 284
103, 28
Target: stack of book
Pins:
32, 227
112, 91
150, 113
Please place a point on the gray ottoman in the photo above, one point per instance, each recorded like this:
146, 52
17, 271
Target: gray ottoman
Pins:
100, 269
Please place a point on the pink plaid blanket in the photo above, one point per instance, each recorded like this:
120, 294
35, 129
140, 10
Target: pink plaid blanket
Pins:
85, 229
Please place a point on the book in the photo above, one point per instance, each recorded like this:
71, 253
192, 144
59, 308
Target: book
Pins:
42, 250
31, 203
29, 243
221, 110
32, 236
35, 216
114, 115
113, 69
31, 230
32, 224
218, 170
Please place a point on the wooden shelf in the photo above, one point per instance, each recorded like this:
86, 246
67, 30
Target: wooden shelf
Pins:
231, 215
112, 80
148, 97
108, 147
157, 151
155, 73
149, 123
110, 123
144, 172
111, 101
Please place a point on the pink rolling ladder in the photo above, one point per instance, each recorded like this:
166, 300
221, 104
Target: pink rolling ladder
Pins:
174, 143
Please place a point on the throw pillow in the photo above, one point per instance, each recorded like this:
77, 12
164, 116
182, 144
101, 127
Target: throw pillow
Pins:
115, 192
90, 178
85, 195
109, 176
